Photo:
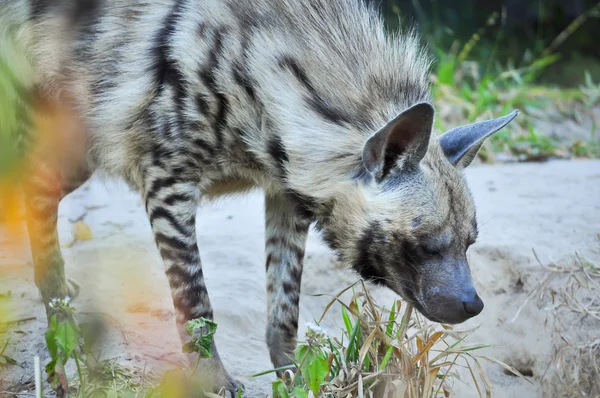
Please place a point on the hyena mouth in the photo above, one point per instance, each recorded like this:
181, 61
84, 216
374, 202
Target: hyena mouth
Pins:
410, 296
425, 313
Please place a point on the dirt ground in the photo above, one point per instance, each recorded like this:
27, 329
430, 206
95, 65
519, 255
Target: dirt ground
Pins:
551, 207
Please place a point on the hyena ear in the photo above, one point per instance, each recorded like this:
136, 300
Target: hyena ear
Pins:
460, 145
403, 141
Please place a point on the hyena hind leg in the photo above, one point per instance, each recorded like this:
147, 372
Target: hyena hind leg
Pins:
172, 204
286, 232
43, 188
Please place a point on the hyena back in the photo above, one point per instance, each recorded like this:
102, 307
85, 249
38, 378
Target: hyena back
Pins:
310, 100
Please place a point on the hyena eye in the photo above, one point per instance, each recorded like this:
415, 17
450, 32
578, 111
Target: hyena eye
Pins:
431, 251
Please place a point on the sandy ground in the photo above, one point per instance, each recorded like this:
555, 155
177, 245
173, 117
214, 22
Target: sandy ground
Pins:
553, 208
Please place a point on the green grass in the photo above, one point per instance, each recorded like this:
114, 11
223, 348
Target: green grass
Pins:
462, 96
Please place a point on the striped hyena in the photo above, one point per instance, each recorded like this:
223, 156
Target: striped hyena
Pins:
310, 100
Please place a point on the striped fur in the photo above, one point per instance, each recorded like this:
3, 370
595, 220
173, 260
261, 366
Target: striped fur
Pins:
192, 99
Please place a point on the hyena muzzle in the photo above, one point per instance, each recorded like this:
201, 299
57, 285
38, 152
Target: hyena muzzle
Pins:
310, 100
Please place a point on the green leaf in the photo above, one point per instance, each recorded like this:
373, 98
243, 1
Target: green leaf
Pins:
202, 332
53, 323
299, 392
301, 352
478, 347
347, 321
67, 338
51, 343
314, 373
390, 327
336, 359
367, 363
352, 353
386, 358
280, 390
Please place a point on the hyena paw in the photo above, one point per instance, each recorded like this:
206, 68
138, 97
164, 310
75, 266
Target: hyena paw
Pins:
282, 358
232, 386
212, 373
73, 287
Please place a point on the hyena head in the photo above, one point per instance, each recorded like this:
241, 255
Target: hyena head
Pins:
415, 219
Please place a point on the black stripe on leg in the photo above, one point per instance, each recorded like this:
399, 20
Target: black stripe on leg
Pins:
160, 184
290, 289
296, 274
170, 241
177, 198
269, 259
162, 213
289, 329
179, 275
193, 300
180, 257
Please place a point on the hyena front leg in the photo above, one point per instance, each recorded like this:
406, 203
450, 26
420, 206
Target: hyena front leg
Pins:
286, 232
172, 205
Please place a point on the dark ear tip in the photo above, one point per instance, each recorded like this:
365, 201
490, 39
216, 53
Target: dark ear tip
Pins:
424, 106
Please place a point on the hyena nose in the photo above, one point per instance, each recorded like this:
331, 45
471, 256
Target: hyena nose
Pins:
473, 306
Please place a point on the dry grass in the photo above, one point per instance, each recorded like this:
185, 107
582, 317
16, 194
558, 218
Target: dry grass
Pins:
572, 294
385, 353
